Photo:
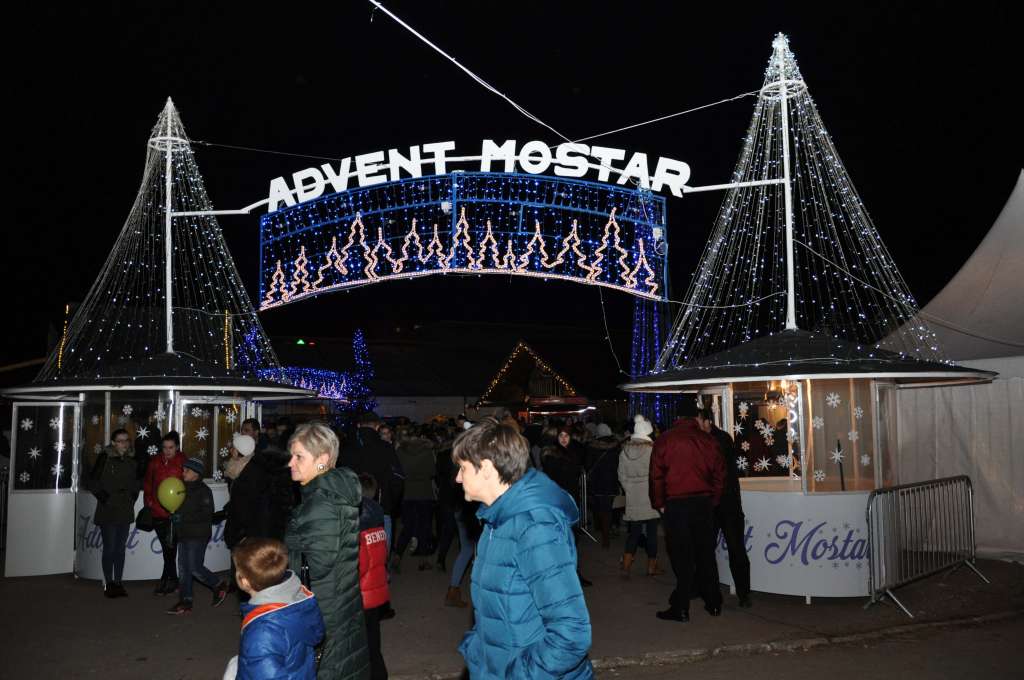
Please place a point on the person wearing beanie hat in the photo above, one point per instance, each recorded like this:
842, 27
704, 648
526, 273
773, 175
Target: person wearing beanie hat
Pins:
602, 480
242, 447
193, 527
641, 519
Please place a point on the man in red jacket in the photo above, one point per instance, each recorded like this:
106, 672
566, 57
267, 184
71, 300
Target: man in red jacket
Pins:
168, 463
686, 483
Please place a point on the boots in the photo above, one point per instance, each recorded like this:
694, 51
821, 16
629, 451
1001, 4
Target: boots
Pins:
454, 598
627, 563
653, 569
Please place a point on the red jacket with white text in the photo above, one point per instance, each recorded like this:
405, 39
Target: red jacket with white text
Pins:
685, 462
373, 555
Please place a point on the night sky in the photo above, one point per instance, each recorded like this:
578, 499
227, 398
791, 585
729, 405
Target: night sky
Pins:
921, 101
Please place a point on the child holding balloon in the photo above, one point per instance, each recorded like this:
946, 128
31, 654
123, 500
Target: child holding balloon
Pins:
192, 523
165, 466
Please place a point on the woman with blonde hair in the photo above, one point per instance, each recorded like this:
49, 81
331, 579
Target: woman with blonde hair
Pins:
323, 547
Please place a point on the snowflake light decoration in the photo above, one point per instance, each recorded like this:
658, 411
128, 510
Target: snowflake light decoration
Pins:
836, 455
745, 446
833, 400
853, 435
741, 464
142, 433
56, 469
231, 417
737, 429
95, 420
26, 424
818, 423
762, 464
858, 412
127, 409
152, 449
54, 423
197, 412
202, 433
24, 477
865, 460
819, 475
34, 453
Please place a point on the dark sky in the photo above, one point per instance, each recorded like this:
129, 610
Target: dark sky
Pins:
921, 100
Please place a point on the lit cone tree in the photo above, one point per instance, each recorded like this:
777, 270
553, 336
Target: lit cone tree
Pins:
844, 282
208, 323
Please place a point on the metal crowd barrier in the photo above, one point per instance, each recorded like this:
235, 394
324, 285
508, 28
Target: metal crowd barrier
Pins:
918, 530
4, 492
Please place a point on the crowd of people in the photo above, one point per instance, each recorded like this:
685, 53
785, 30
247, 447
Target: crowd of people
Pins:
320, 520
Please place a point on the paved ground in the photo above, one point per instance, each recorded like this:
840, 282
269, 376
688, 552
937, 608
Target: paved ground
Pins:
62, 627
990, 651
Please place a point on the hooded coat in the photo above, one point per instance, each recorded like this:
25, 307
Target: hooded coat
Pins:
325, 530
634, 476
531, 618
281, 626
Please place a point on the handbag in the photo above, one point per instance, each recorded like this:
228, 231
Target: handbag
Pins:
144, 520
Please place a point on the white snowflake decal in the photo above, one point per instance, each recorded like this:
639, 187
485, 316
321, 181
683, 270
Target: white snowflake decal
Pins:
57, 470
853, 435
217, 475
744, 409
34, 453
818, 423
97, 449
59, 446
833, 399
858, 413
152, 449
24, 477
95, 420
836, 455
745, 446
197, 412
224, 452
54, 423
231, 417
819, 475
741, 464
865, 460
769, 437
158, 416
794, 476
127, 410
202, 433
143, 433
26, 424
737, 429
784, 461
762, 464
122, 420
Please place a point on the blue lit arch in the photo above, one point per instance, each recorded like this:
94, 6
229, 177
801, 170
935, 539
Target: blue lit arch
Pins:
466, 223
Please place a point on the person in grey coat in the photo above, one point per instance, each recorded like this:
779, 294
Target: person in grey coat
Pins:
634, 476
113, 482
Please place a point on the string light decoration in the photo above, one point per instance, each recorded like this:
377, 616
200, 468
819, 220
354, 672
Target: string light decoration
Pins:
351, 389
844, 280
124, 316
479, 223
521, 347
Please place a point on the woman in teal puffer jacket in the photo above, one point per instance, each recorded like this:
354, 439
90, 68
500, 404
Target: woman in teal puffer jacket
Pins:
324, 531
531, 618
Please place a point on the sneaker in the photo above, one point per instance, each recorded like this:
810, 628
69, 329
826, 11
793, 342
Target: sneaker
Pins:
183, 607
220, 593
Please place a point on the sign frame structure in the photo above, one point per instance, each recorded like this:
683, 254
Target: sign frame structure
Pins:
513, 224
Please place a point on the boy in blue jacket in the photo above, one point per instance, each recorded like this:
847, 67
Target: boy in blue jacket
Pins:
281, 624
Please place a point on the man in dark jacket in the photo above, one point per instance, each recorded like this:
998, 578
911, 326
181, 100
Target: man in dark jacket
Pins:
366, 453
603, 478
193, 526
113, 483
729, 518
687, 481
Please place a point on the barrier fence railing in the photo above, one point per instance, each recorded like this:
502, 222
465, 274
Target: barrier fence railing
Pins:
917, 530
4, 472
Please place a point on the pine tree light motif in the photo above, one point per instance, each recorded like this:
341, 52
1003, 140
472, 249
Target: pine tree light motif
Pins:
123, 317
845, 281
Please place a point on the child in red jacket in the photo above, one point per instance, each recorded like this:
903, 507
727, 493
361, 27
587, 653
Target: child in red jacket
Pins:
373, 578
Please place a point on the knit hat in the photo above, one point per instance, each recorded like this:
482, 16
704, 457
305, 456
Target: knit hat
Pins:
642, 427
603, 430
196, 465
243, 443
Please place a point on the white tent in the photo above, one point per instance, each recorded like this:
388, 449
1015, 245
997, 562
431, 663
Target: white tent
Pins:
978, 430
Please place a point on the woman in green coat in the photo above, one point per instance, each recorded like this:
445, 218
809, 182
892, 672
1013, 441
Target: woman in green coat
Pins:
112, 481
323, 533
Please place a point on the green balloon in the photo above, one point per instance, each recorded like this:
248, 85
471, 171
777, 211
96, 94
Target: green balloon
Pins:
171, 493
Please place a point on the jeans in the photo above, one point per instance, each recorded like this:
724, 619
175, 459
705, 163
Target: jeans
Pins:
466, 548
649, 529
416, 521
191, 553
168, 545
378, 670
114, 538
